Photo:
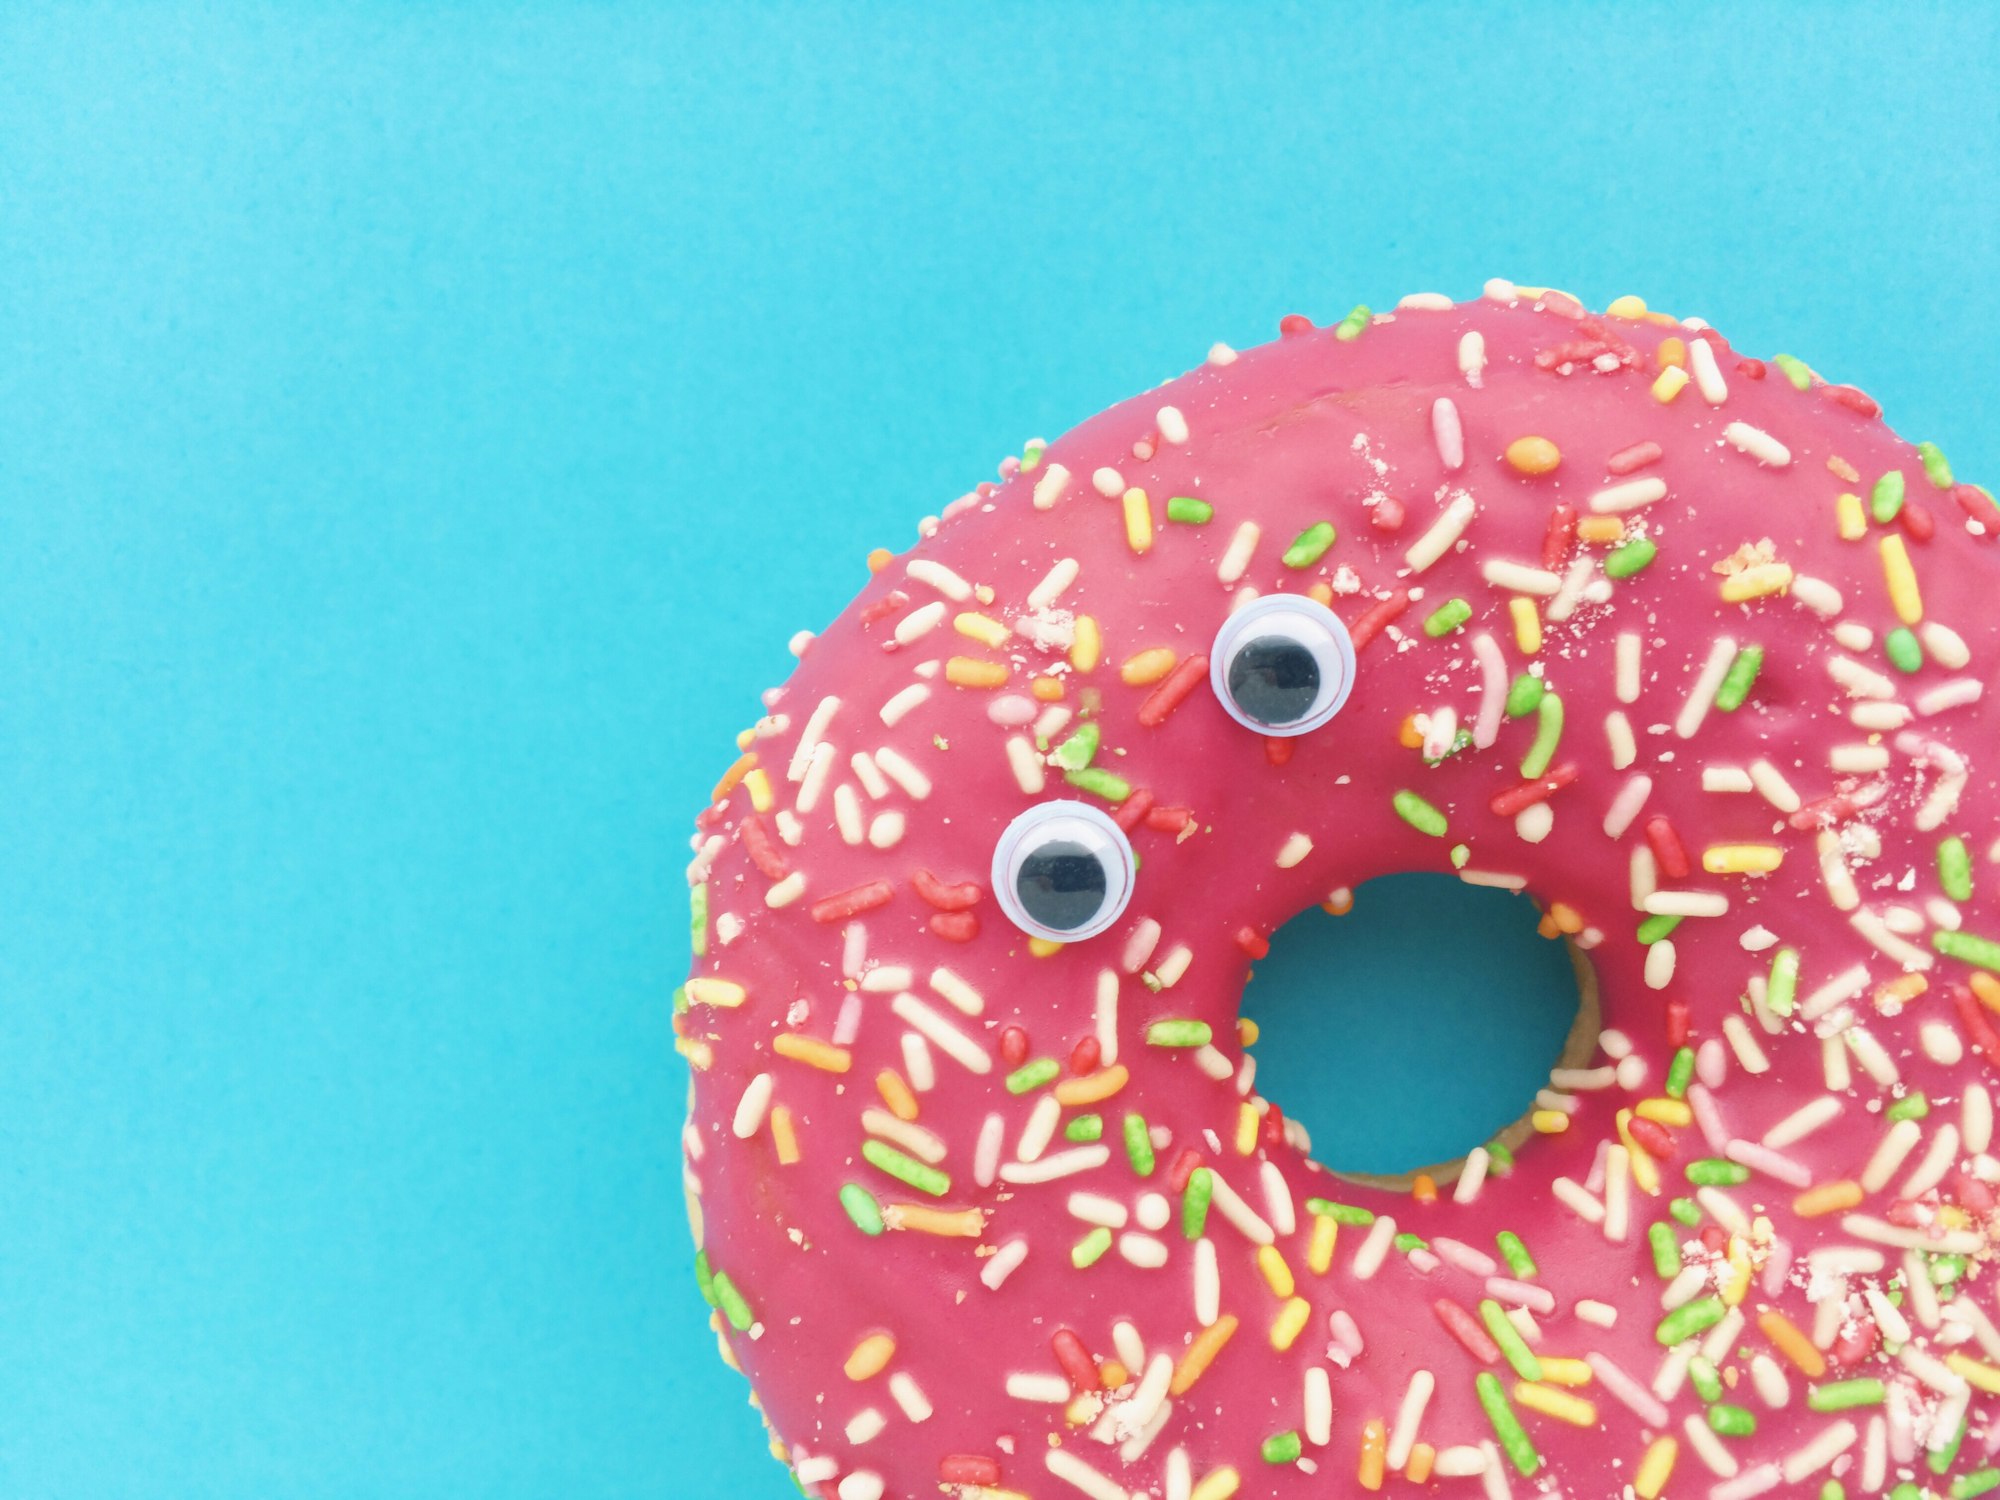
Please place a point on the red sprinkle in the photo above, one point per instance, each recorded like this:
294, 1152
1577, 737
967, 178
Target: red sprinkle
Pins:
1183, 1169
1667, 847
1252, 942
1517, 798
1274, 1128
1918, 521
1714, 1238
1750, 369
955, 926
764, 853
1388, 514
844, 904
1678, 1028
1462, 1326
1854, 1346
969, 1469
1979, 1031
1626, 460
1559, 538
946, 897
888, 604
1828, 812
1278, 749
1978, 506
1130, 813
1173, 690
1013, 1046
1971, 1194
1085, 1056
1076, 1362
1294, 323
1654, 1137
1168, 819
1853, 400
1371, 620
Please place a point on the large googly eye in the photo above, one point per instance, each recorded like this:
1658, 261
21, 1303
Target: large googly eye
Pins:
1063, 871
1282, 665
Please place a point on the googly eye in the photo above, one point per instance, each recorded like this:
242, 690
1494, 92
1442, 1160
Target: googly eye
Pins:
1063, 871
1282, 665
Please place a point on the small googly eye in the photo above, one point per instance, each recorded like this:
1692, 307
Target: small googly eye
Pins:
1282, 665
1063, 871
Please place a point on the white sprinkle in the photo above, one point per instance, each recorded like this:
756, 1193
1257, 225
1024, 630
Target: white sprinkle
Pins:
1877, 717
861, 1485
1938, 1160
1707, 376
1027, 765
1237, 1212
1817, 595
1802, 1122
1374, 1248
800, 643
1687, 904
896, 710
1471, 1176
1626, 665
1221, 354
1048, 1390
1645, 879
1462, 1461
887, 830
1852, 635
1049, 486
1055, 1168
1617, 1194
1574, 586
815, 727
1139, 946
1424, 302
1744, 1044
1758, 443
1294, 850
1578, 1200
1143, 1251
1872, 927
1318, 1406
1213, 1064
1004, 1262
786, 891
1833, 871
1535, 822
946, 1037
1472, 358
753, 1107
986, 1152
818, 768
1623, 1388
1752, 1482
1236, 557
941, 578
865, 1426
1519, 577
1623, 743
910, 1396
1442, 536
1945, 646
1207, 1283
1492, 690
897, 767
957, 991
918, 1064
1777, 791
1096, 1208
1957, 693
1169, 970
1660, 959
1626, 806
1932, 1372
873, 782
1108, 483
1409, 1417
1632, 494
1058, 578
1860, 681
1039, 1130
1278, 1204
1940, 1044
1726, 779
1857, 760
1106, 1016
1464, 1257
1448, 433
1702, 695
1496, 879
1173, 426
1976, 1124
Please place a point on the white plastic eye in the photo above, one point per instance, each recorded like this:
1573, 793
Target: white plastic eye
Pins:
1282, 665
1063, 871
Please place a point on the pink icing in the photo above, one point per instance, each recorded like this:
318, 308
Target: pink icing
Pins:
1317, 427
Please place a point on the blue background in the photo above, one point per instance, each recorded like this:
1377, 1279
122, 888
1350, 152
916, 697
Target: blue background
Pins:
421, 428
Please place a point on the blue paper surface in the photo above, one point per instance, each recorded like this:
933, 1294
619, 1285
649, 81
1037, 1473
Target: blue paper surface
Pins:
421, 427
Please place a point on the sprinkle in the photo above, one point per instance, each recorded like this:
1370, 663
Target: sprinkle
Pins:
1846, 1395
1236, 557
1901, 578
1138, 521
1519, 578
1741, 859
1655, 1468
1447, 618
1850, 517
1690, 1319
1472, 357
1632, 558
942, 1034
1707, 376
1514, 1441
1548, 734
1527, 625
1309, 546
1669, 383
862, 1208
905, 1169
1439, 539
1048, 489
1515, 1253
1739, 679
1353, 325
1759, 581
724, 994
1886, 499
1080, 1475
813, 1052
1201, 1354
1968, 948
1185, 510
1758, 444
1694, 711
1633, 494
1559, 1404
1419, 814
1507, 1339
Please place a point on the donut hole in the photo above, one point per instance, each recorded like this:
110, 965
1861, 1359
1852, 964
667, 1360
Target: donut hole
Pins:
1418, 1025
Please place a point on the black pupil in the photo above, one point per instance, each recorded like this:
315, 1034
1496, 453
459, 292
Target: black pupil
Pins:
1061, 885
1274, 679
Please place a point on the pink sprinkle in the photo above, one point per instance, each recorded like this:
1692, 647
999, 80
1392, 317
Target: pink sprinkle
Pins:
1627, 460
1537, 1299
1771, 1163
1634, 1396
1448, 432
1711, 1062
1345, 1334
1708, 1117
1465, 1257
1777, 1266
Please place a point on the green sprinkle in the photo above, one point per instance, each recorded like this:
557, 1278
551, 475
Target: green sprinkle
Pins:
1832, 1490
1523, 694
1634, 557
1914, 1105
1500, 1161
1447, 617
1666, 1250
1031, 457
1943, 1458
1968, 948
1099, 783
1690, 1318
1845, 1395
1705, 1378
1908, 1490
1548, 734
1282, 1449
1886, 499
1739, 679
1080, 749
1419, 814
1461, 856
1679, 1072
1937, 468
1340, 1213
1178, 1032
1687, 1211
1139, 1145
1354, 324
1978, 1482
1514, 1441
1459, 741
1084, 1128
1189, 511
1519, 1261
698, 918
1794, 370
1195, 1201
1406, 1242
732, 1304
1654, 928
1731, 1421
1901, 647
1946, 1270
1310, 545
1713, 1171
680, 1000
1954, 863
905, 1169
1783, 988
1089, 1250
862, 1208
1031, 1076
704, 1277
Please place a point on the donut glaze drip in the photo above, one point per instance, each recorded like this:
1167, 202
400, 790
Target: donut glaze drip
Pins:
1688, 647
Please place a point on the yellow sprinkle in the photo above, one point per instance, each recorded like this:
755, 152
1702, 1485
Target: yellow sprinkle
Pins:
1665, 1111
920, 1218
784, 1137
1319, 1252
1044, 947
1247, 1031
736, 772
1904, 597
1789, 1340
1201, 1353
1147, 666
1276, 1272
811, 1051
1559, 1370
1656, 1468
870, 1357
1527, 624
880, 558
1374, 1454
699, 1054
1114, 1374
1082, 1409
1737, 1283
1849, 517
725, 993
1549, 1121
758, 784
1673, 354
970, 671
896, 1094
1046, 689
1756, 582
1088, 646
1669, 384
1093, 1088
1626, 307
1320, 592
1741, 859
1645, 1171
1551, 1402
1138, 522
1290, 1323
1246, 1129
1828, 1198
1600, 530
1980, 1376
1422, 1456
982, 628
1533, 455
1219, 1485
745, 738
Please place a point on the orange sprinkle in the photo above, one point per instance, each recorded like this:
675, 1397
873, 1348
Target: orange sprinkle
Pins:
1600, 529
1421, 1458
1321, 592
1533, 455
1339, 904
1987, 988
1842, 469
1147, 666
1408, 735
745, 764
784, 1137
1247, 1031
1673, 354
1786, 1338
1547, 927
970, 671
1901, 991
896, 1094
1094, 1088
811, 1051
1424, 1189
960, 1224
1828, 1198
1201, 1354
879, 559
1566, 917
870, 1357
1374, 1455
1046, 689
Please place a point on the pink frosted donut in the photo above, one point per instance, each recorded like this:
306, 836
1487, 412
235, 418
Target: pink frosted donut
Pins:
1685, 646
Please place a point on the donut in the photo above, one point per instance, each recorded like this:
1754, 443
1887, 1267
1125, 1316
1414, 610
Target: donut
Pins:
1683, 646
